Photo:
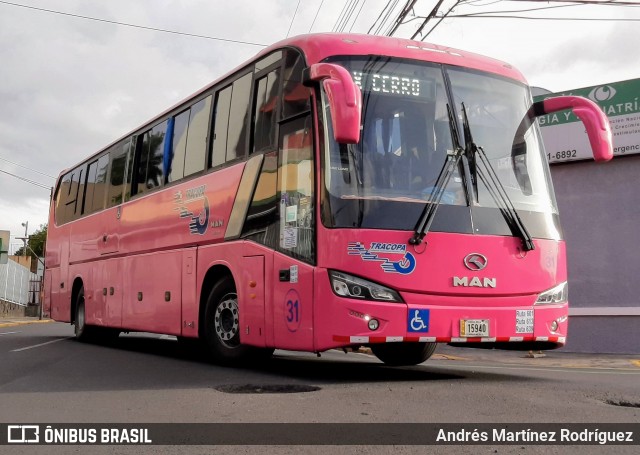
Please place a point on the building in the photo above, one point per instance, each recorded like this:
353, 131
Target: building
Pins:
600, 213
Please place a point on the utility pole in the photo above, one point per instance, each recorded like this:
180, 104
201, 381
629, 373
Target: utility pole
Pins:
26, 236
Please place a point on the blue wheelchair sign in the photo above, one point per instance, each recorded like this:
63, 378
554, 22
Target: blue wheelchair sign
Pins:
418, 321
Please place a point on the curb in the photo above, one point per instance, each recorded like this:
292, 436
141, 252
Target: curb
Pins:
14, 323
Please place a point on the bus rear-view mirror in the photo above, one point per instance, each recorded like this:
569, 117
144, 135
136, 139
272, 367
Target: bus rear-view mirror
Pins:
345, 100
593, 118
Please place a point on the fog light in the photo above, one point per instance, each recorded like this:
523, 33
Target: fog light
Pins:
554, 326
374, 324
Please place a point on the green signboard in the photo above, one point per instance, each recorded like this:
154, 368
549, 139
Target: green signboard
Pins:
564, 136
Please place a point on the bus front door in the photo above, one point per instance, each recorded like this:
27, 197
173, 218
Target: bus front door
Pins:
292, 304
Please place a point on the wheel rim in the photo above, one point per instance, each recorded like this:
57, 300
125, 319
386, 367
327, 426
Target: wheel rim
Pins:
226, 321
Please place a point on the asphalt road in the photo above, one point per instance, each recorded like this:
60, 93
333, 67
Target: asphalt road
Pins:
46, 376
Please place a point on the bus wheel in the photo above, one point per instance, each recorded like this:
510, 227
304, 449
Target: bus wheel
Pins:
82, 331
222, 324
399, 354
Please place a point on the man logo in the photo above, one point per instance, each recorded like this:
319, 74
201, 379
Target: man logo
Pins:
474, 282
475, 261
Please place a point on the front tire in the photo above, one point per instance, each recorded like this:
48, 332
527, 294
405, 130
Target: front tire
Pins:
403, 354
222, 327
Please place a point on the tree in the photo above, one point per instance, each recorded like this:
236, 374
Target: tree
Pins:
36, 243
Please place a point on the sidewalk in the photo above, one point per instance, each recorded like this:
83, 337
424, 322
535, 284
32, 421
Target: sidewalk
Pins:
555, 358
12, 322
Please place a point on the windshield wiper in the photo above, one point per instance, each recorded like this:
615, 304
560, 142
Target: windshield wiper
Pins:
493, 184
451, 163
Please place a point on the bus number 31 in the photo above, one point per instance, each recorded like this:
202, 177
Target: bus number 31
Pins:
292, 310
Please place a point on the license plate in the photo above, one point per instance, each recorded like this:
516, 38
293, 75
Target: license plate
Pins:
474, 327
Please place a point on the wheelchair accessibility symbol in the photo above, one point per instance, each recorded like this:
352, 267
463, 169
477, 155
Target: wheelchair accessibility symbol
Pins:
418, 321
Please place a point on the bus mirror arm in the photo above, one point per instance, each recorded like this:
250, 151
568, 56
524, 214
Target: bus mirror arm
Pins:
345, 100
594, 120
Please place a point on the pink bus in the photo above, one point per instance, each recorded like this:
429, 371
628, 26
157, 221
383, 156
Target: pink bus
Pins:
334, 191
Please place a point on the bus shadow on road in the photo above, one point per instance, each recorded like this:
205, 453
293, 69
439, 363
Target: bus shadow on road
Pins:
148, 362
331, 367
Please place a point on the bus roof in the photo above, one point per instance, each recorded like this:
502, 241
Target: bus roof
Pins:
317, 47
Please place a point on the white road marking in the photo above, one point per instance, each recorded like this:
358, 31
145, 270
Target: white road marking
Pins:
8, 333
168, 337
41, 344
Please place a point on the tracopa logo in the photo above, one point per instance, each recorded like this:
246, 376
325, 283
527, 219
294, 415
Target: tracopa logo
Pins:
604, 93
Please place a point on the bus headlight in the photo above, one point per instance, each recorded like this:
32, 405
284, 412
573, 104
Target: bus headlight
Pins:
558, 294
353, 287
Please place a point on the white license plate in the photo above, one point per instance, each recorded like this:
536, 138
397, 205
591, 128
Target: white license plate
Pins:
474, 327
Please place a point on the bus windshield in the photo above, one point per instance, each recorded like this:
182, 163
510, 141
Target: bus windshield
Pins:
406, 135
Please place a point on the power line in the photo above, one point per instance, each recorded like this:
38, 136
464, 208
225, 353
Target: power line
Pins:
501, 14
125, 24
584, 19
339, 19
431, 15
441, 19
26, 180
293, 19
348, 17
403, 13
357, 15
316, 16
387, 13
28, 168
586, 2
387, 9
570, 4
344, 19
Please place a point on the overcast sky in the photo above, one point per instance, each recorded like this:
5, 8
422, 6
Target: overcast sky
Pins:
70, 86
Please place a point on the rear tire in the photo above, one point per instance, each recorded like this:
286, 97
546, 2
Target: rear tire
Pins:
222, 327
82, 331
403, 354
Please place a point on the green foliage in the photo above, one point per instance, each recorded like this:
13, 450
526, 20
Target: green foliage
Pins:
36, 243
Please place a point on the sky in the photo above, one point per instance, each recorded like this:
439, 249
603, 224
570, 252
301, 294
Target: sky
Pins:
70, 86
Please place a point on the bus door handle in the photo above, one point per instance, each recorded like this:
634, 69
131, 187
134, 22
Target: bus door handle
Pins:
285, 275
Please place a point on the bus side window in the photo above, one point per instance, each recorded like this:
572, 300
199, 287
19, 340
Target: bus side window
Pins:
238, 117
261, 224
150, 155
155, 170
141, 162
72, 209
196, 146
220, 127
68, 196
90, 187
176, 163
120, 173
63, 196
95, 201
230, 121
264, 114
95, 187
295, 96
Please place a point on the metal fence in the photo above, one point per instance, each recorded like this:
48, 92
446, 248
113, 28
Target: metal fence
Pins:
15, 284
